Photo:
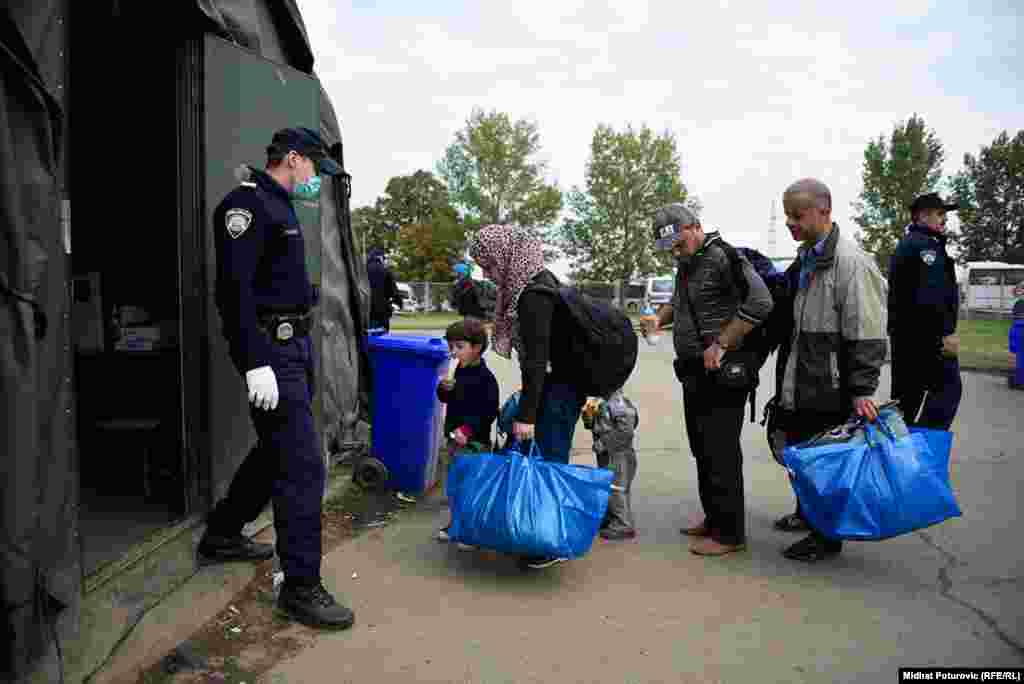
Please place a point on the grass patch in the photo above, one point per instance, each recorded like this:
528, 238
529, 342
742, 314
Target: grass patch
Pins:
985, 344
438, 321
423, 321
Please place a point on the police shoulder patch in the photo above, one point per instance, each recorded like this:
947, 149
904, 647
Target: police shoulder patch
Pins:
237, 221
928, 256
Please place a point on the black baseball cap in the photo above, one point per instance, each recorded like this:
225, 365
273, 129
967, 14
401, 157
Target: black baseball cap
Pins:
308, 143
932, 201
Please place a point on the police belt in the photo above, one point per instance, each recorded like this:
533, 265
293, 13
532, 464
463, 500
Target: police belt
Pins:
283, 327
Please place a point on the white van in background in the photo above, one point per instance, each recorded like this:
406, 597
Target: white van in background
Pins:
992, 286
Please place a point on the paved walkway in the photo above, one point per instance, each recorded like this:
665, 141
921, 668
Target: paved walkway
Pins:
649, 611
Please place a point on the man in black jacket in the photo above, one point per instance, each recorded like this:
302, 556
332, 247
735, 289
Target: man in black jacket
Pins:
710, 318
383, 290
924, 300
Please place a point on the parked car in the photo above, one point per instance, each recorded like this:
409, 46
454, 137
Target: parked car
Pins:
409, 302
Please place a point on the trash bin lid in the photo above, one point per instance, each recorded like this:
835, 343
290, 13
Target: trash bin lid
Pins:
431, 347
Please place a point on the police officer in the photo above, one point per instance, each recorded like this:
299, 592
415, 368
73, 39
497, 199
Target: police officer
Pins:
264, 296
923, 304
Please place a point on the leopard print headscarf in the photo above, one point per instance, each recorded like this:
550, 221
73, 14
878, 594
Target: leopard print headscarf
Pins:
514, 256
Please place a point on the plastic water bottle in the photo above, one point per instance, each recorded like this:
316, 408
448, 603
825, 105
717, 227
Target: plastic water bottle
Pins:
648, 314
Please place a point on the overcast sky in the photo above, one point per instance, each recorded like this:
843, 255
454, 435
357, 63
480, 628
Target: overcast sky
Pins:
758, 94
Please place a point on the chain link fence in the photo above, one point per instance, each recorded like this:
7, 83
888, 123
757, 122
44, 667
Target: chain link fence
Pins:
429, 297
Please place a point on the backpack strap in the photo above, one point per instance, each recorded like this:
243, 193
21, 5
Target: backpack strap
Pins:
738, 276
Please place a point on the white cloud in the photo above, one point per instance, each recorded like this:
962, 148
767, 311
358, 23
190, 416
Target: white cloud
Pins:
757, 94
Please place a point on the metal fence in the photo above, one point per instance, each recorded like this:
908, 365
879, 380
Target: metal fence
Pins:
433, 297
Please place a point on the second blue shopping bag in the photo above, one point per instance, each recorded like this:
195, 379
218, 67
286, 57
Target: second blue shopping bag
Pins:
873, 480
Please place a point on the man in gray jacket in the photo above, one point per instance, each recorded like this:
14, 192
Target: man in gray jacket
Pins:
829, 367
709, 319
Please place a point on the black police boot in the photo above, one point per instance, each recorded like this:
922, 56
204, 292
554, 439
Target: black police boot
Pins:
214, 548
314, 606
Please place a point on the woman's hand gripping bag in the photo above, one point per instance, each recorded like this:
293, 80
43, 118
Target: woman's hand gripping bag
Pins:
521, 504
873, 480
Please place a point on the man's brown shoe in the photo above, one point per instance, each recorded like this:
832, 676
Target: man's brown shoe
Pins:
709, 547
700, 530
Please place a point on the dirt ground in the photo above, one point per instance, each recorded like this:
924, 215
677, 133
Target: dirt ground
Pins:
247, 638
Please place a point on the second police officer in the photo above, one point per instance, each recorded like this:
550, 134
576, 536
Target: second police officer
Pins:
264, 296
924, 300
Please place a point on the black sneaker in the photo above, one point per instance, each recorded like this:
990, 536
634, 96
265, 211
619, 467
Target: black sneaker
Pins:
217, 549
541, 562
314, 606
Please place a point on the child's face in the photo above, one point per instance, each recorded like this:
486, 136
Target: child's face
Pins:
465, 352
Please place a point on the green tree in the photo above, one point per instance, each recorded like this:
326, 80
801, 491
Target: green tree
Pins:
427, 251
990, 189
414, 210
413, 199
629, 175
494, 175
372, 229
894, 173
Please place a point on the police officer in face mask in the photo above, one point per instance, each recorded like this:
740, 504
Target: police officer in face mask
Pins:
924, 301
264, 296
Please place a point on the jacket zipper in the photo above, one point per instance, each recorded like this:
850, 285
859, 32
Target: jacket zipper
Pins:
796, 345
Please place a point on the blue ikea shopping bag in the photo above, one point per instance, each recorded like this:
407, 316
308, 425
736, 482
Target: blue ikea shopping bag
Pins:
525, 505
873, 480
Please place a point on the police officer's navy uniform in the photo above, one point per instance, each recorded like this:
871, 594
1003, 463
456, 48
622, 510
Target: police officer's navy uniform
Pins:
264, 296
924, 301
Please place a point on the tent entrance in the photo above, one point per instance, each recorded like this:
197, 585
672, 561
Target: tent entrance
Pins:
125, 289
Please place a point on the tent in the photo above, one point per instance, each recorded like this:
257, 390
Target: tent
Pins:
51, 152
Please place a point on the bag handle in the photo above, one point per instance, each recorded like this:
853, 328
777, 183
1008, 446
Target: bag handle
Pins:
533, 453
856, 422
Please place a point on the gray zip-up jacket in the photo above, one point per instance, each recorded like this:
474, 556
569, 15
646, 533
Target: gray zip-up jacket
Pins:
706, 281
839, 340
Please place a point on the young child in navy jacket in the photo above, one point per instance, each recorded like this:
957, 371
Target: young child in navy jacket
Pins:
471, 398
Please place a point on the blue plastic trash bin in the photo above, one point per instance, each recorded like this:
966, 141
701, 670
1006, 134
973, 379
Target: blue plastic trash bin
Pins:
1017, 344
407, 416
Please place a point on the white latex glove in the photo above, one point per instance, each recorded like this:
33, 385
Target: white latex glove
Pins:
262, 387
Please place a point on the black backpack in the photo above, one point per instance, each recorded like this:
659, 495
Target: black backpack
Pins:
487, 296
604, 345
767, 337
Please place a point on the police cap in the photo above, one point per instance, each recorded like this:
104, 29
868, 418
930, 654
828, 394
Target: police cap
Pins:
308, 143
932, 201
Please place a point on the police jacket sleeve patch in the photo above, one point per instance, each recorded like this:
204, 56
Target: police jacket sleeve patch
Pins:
237, 221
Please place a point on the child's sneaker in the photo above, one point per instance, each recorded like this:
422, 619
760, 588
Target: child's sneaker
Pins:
465, 547
442, 535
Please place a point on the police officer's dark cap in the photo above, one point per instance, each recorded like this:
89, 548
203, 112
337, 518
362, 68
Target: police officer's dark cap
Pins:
932, 201
308, 143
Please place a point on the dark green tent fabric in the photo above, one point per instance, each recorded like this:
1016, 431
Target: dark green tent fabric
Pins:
40, 573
